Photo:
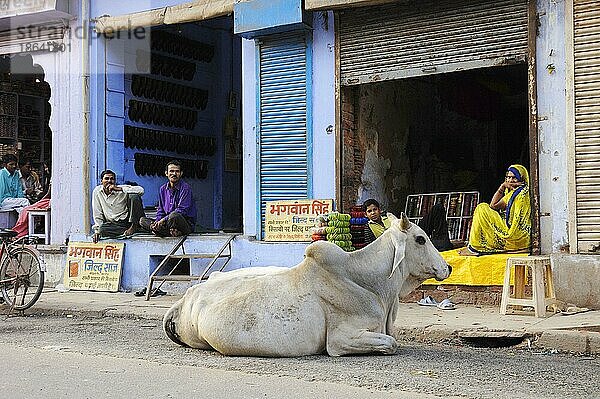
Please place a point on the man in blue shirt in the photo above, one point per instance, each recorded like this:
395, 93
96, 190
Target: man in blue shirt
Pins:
176, 212
11, 189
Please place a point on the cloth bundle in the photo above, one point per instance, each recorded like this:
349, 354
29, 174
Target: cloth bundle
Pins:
319, 232
358, 224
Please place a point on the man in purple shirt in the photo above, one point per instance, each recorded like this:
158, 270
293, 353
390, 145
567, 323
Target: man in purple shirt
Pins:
176, 213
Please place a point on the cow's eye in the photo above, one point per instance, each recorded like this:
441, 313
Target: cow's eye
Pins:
420, 240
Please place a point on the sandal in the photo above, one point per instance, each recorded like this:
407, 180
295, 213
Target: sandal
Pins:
446, 304
571, 310
427, 301
155, 293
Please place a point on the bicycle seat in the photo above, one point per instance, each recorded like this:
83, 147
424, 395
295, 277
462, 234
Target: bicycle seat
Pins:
7, 233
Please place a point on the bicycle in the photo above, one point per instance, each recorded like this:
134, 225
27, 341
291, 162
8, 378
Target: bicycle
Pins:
21, 273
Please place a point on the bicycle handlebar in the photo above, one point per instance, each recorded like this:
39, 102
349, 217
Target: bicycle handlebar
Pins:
25, 240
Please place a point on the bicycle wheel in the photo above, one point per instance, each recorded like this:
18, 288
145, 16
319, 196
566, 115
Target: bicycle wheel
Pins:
23, 278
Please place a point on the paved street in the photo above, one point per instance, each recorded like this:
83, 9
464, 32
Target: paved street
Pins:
59, 356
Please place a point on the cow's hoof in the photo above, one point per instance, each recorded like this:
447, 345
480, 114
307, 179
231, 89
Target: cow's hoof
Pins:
391, 351
391, 348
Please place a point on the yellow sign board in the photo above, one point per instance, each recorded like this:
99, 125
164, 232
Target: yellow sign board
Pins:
94, 267
292, 220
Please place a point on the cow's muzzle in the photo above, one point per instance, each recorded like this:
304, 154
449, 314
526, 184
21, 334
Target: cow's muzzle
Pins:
438, 278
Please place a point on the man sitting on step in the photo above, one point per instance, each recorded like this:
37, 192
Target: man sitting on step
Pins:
117, 209
12, 196
176, 212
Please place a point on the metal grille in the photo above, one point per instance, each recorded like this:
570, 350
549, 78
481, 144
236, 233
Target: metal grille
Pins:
8, 104
7, 149
283, 145
586, 47
430, 36
8, 127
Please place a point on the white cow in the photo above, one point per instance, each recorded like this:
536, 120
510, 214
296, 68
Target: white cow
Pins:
334, 301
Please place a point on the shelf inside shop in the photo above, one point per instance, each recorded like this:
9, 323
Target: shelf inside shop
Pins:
33, 139
34, 118
458, 206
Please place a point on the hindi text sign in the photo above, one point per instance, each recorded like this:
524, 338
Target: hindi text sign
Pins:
292, 220
94, 267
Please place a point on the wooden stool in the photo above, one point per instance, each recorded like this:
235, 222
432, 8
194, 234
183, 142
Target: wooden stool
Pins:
542, 294
40, 213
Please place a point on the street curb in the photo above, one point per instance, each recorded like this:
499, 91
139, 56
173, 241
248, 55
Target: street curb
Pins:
429, 334
570, 341
581, 342
107, 312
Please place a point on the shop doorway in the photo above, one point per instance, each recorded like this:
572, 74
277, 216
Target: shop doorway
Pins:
182, 91
25, 116
436, 133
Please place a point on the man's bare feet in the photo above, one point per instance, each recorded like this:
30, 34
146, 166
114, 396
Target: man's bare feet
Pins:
132, 230
175, 233
466, 252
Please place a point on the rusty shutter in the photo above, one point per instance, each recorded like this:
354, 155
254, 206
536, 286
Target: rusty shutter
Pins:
430, 36
586, 51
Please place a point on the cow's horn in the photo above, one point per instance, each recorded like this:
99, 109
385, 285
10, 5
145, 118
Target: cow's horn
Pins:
404, 222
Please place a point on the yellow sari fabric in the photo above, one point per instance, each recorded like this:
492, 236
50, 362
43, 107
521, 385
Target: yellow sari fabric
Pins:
474, 270
493, 233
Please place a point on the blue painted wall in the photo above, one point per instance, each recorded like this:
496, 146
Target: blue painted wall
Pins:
142, 256
249, 127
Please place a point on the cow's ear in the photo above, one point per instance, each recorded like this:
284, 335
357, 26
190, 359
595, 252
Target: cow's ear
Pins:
399, 240
404, 222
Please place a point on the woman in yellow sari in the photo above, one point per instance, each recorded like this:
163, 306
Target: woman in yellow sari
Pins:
492, 232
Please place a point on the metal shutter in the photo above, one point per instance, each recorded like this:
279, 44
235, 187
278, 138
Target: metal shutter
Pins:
586, 47
430, 36
283, 148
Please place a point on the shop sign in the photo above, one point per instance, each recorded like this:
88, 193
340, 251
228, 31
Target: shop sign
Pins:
94, 267
10, 8
292, 220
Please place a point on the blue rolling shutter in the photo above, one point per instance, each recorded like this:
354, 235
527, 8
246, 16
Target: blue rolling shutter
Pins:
283, 145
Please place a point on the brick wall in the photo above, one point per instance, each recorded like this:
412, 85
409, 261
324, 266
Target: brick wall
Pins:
353, 156
473, 295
